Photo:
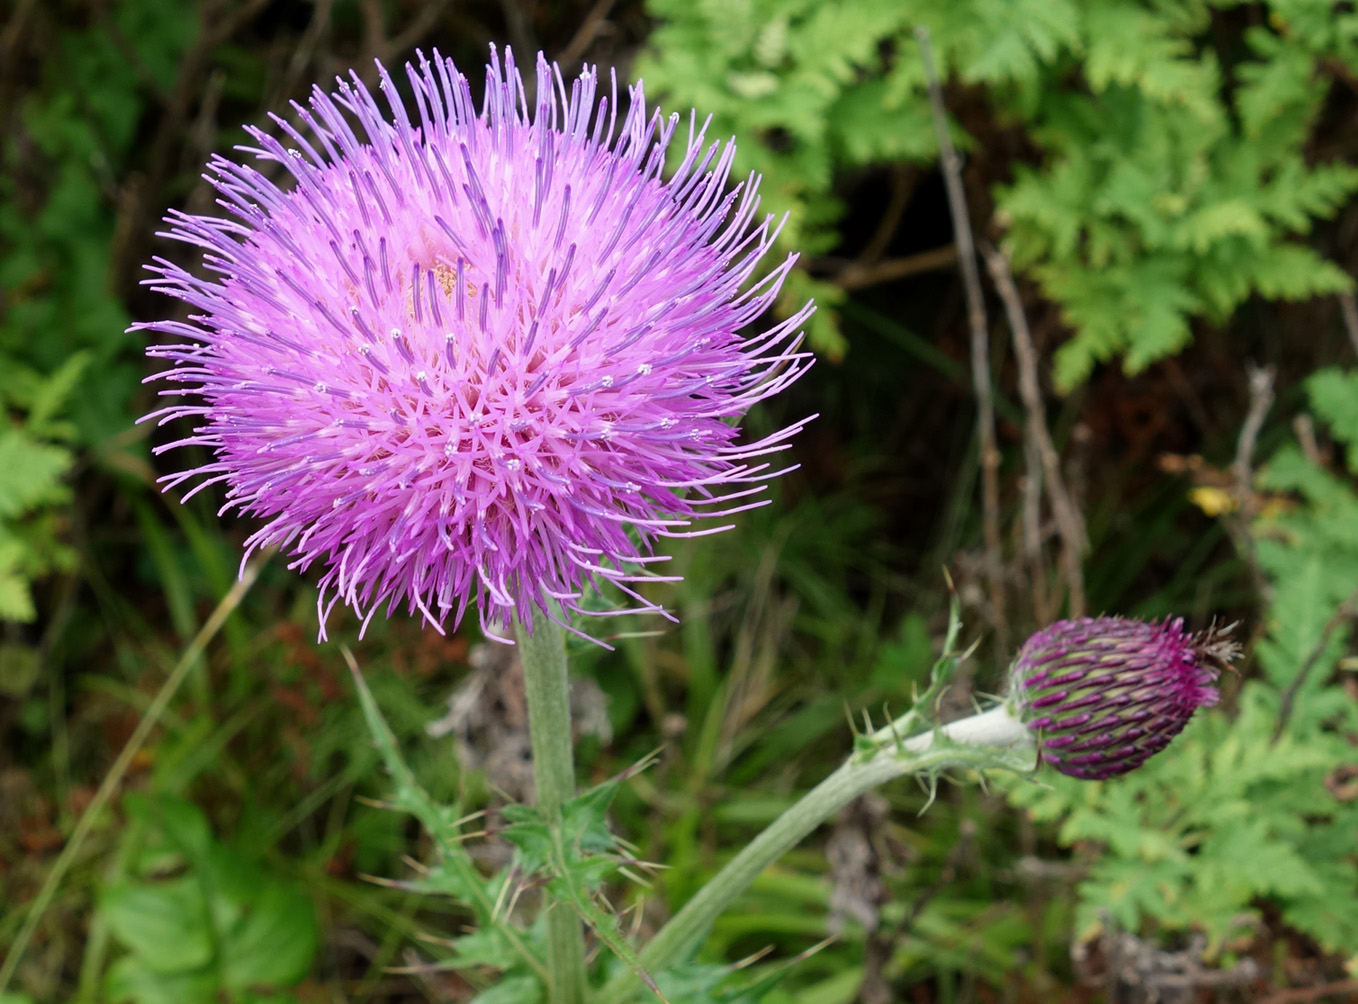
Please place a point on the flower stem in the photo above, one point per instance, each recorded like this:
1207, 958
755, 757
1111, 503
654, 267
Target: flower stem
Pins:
971, 743
543, 654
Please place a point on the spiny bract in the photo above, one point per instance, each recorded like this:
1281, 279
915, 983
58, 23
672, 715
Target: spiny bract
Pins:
480, 358
1103, 694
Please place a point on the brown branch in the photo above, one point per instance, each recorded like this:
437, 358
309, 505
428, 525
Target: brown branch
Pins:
1260, 381
1261, 399
1303, 995
946, 876
374, 43
1305, 430
857, 274
519, 28
203, 132
306, 46
1348, 309
14, 31
980, 340
1069, 523
429, 13
218, 21
902, 186
379, 47
585, 35
130, 54
1346, 610
1031, 487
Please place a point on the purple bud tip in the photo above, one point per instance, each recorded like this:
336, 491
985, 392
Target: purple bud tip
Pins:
1104, 694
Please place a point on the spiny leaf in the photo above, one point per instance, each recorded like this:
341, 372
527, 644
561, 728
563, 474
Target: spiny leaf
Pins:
439, 821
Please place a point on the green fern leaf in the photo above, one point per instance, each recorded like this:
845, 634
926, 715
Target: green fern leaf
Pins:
1295, 272
1334, 396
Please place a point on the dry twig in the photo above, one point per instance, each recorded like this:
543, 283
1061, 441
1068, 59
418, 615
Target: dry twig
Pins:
980, 340
1345, 611
1304, 428
1261, 399
902, 186
378, 46
1031, 486
1348, 308
1342, 990
1069, 523
858, 274
585, 35
519, 26
306, 46
966, 835
14, 31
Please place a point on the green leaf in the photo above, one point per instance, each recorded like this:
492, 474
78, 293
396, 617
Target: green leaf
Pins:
133, 979
1233, 217
33, 472
488, 947
166, 924
19, 666
1295, 272
441, 823
584, 819
605, 927
180, 821
1334, 396
52, 394
511, 990
1129, 45
274, 943
532, 839
16, 600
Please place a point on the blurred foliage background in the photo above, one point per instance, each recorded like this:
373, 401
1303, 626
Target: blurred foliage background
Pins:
1162, 197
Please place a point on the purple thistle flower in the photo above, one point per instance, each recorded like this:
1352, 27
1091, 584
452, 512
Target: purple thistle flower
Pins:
1103, 694
488, 354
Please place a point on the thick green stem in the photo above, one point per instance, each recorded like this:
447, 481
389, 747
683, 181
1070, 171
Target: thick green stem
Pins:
543, 654
979, 737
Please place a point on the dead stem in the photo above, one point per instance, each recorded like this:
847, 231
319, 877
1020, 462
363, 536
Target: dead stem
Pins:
980, 342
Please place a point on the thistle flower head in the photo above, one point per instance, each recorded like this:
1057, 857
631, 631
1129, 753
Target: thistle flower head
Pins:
1103, 694
470, 357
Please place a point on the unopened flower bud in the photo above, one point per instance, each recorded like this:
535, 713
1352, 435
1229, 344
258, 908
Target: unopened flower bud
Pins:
1103, 694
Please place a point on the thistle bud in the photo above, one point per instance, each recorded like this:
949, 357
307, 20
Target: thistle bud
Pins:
1103, 694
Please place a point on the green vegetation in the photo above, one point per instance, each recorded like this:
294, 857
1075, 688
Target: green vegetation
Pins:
1173, 183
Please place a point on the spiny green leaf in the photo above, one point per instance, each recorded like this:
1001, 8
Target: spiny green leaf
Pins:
605, 927
438, 820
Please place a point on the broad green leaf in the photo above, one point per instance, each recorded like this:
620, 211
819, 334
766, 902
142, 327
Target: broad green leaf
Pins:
132, 980
513, 990
165, 924
274, 943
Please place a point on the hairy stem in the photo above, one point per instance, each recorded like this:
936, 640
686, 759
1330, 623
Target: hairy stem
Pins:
543, 653
970, 743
